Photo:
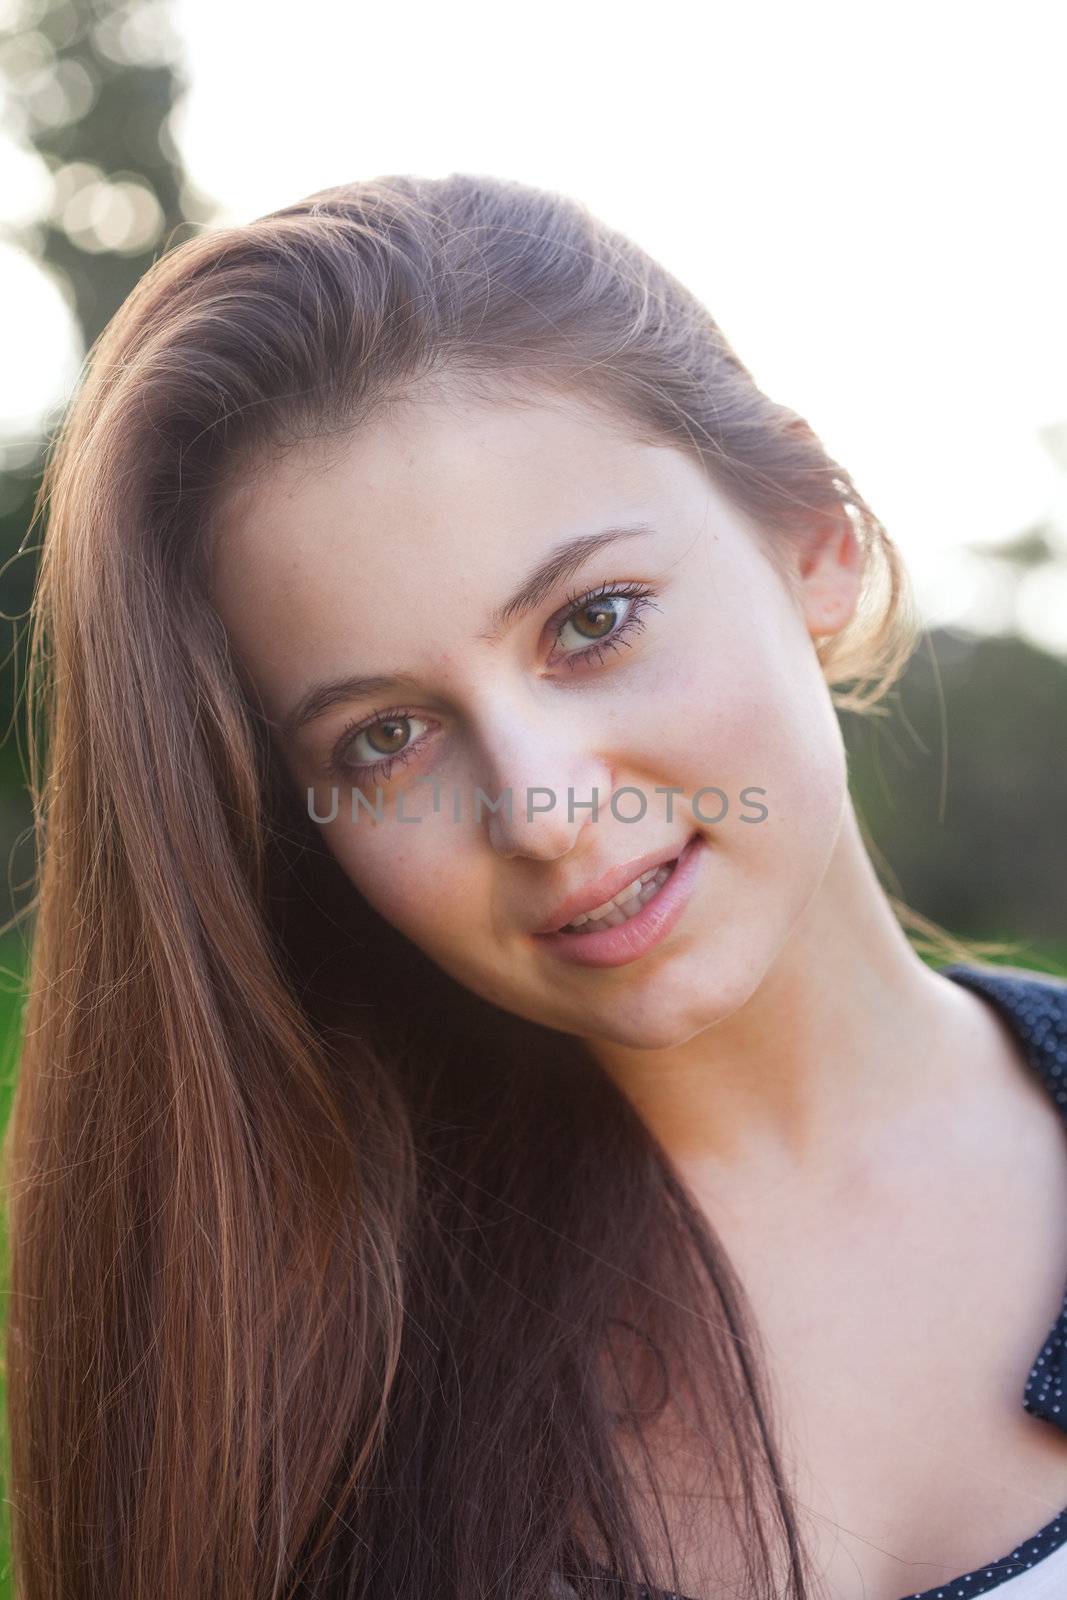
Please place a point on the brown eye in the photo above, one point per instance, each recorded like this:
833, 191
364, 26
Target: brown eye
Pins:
374, 747
596, 619
387, 743
603, 619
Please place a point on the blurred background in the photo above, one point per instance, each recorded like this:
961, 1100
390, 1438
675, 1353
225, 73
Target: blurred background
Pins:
868, 199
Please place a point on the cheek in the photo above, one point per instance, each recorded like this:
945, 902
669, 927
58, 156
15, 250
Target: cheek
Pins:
759, 728
794, 750
436, 893
761, 721
411, 873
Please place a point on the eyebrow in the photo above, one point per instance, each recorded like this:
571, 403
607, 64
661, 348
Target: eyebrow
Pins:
560, 563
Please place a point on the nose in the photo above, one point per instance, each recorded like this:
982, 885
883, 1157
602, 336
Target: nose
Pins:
553, 780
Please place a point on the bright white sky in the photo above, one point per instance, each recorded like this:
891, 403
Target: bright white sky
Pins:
869, 200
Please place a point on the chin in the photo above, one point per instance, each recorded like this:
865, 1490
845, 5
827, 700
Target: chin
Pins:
660, 1020
662, 1034
682, 1001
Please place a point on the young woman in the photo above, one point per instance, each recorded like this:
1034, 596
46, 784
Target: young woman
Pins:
483, 1128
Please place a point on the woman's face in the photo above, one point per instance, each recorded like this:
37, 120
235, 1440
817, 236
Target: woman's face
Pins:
665, 661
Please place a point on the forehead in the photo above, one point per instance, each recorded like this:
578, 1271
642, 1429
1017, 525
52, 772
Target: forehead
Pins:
441, 473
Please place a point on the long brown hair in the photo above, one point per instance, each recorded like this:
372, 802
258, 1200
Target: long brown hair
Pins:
327, 1277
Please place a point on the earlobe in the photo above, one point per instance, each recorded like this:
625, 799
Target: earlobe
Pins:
829, 570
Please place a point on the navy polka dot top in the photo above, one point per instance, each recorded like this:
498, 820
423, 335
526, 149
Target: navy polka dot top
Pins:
1034, 1006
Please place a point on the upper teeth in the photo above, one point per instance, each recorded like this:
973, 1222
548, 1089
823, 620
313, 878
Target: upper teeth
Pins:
617, 900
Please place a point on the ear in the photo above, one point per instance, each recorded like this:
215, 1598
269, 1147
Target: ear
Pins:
828, 572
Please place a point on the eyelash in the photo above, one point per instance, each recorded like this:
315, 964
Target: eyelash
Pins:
640, 596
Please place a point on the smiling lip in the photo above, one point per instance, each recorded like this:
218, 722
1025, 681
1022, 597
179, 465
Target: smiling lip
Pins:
618, 946
605, 888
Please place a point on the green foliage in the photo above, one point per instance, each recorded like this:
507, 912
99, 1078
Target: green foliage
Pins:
964, 787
